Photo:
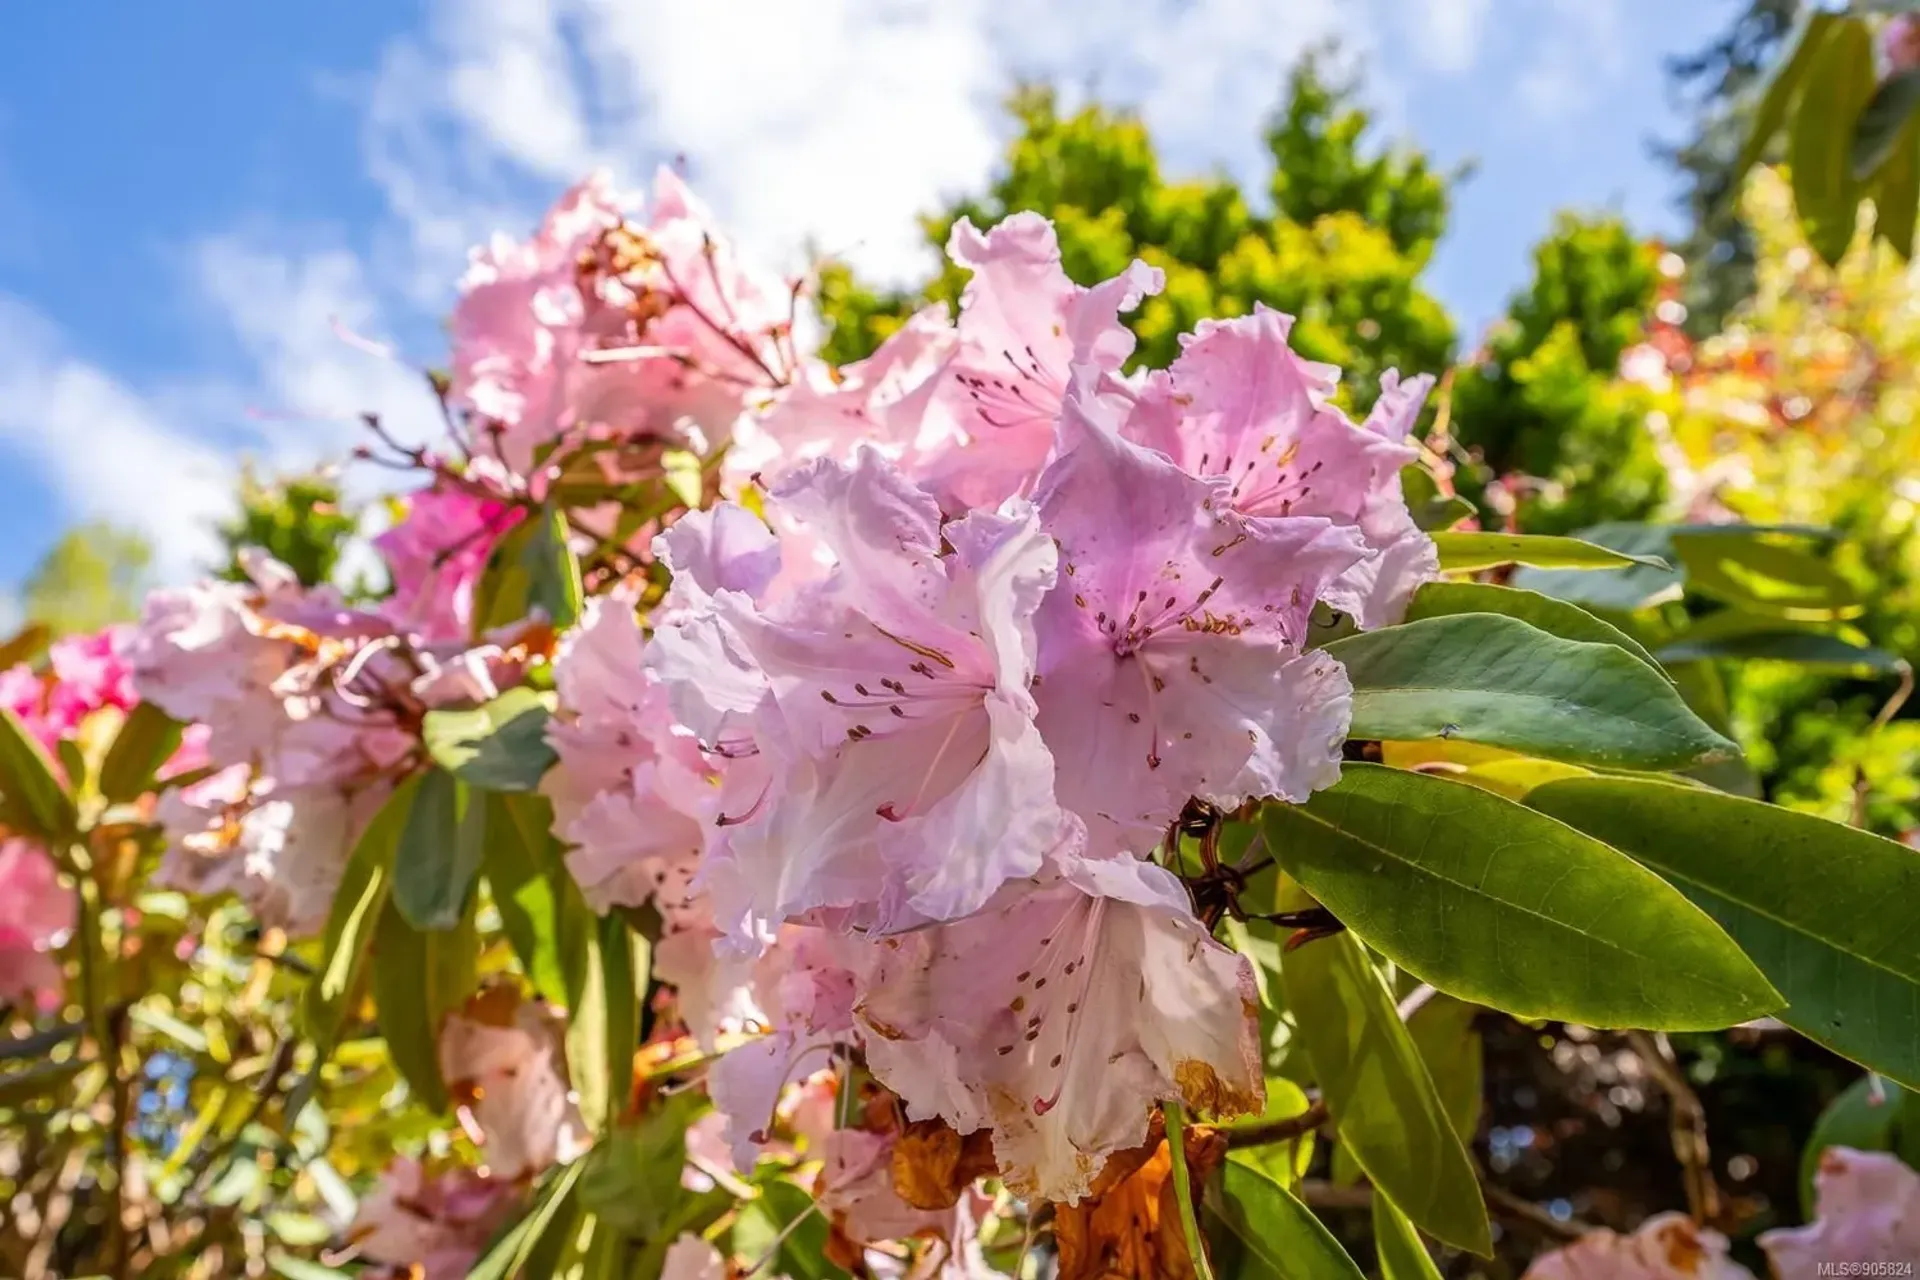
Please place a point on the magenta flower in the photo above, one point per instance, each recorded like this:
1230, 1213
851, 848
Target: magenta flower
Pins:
36, 915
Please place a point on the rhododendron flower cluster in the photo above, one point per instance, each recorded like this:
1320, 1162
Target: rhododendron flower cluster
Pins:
82, 676
311, 712
892, 740
913, 726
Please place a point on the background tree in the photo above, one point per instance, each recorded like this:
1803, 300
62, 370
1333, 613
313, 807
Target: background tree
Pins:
1719, 83
94, 575
298, 519
1340, 241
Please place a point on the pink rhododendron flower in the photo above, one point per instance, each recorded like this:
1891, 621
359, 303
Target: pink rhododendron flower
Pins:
911, 779
430, 1227
1170, 654
310, 710
1239, 404
1059, 1016
1667, 1247
1867, 1210
504, 1061
1899, 43
84, 674
805, 995
966, 407
279, 850
606, 324
36, 914
632, 789
436, 554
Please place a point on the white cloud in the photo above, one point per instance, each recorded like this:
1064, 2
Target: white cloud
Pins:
1581, 50
1453, 33
109, 450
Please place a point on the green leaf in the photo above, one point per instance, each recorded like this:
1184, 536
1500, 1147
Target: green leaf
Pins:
1402, 1256
551, 1215
802, 1253
1274, 1236
357, 907
1800, 647
531, 568
1819, 906
1382, 1100
1431, 511
35, 802
1465, 551
541, 908
501, 746
1496, 680
1896, 193
1650, 581
1820, 149
1758, 572
1771, 111
1442, 1030
147, 739
632, 1180
1497, 904
604, 1031
440, 852
1872, 1114
1883, 121
1557, 617
418, 978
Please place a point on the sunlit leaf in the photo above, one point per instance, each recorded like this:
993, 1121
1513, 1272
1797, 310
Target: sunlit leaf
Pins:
1493, 679
1465, 551
1382, 1100
1820, 153
1558, 617
500, 746
1808, 899
1499, 905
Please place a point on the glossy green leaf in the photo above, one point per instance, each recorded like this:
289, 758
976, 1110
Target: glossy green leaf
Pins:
1401, 1255
1558, 617
1431, 510
1500, 905
1782, 88
441, 848
1464, 551
1764, 573
1442, 1030
1516, 777
532, 569
1816, 904
541, 909
1896, 192
1650, 581
1883, 122
1838, 84
35, 802
1491, 679
604, 1031
1382, 1100
148, 737
1273, 1235
418, 977
355, 915
501, 746
1800, 647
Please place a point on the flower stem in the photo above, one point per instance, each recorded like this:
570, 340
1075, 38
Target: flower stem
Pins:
1183, 1190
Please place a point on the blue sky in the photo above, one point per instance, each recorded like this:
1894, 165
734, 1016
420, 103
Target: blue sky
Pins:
196, 199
